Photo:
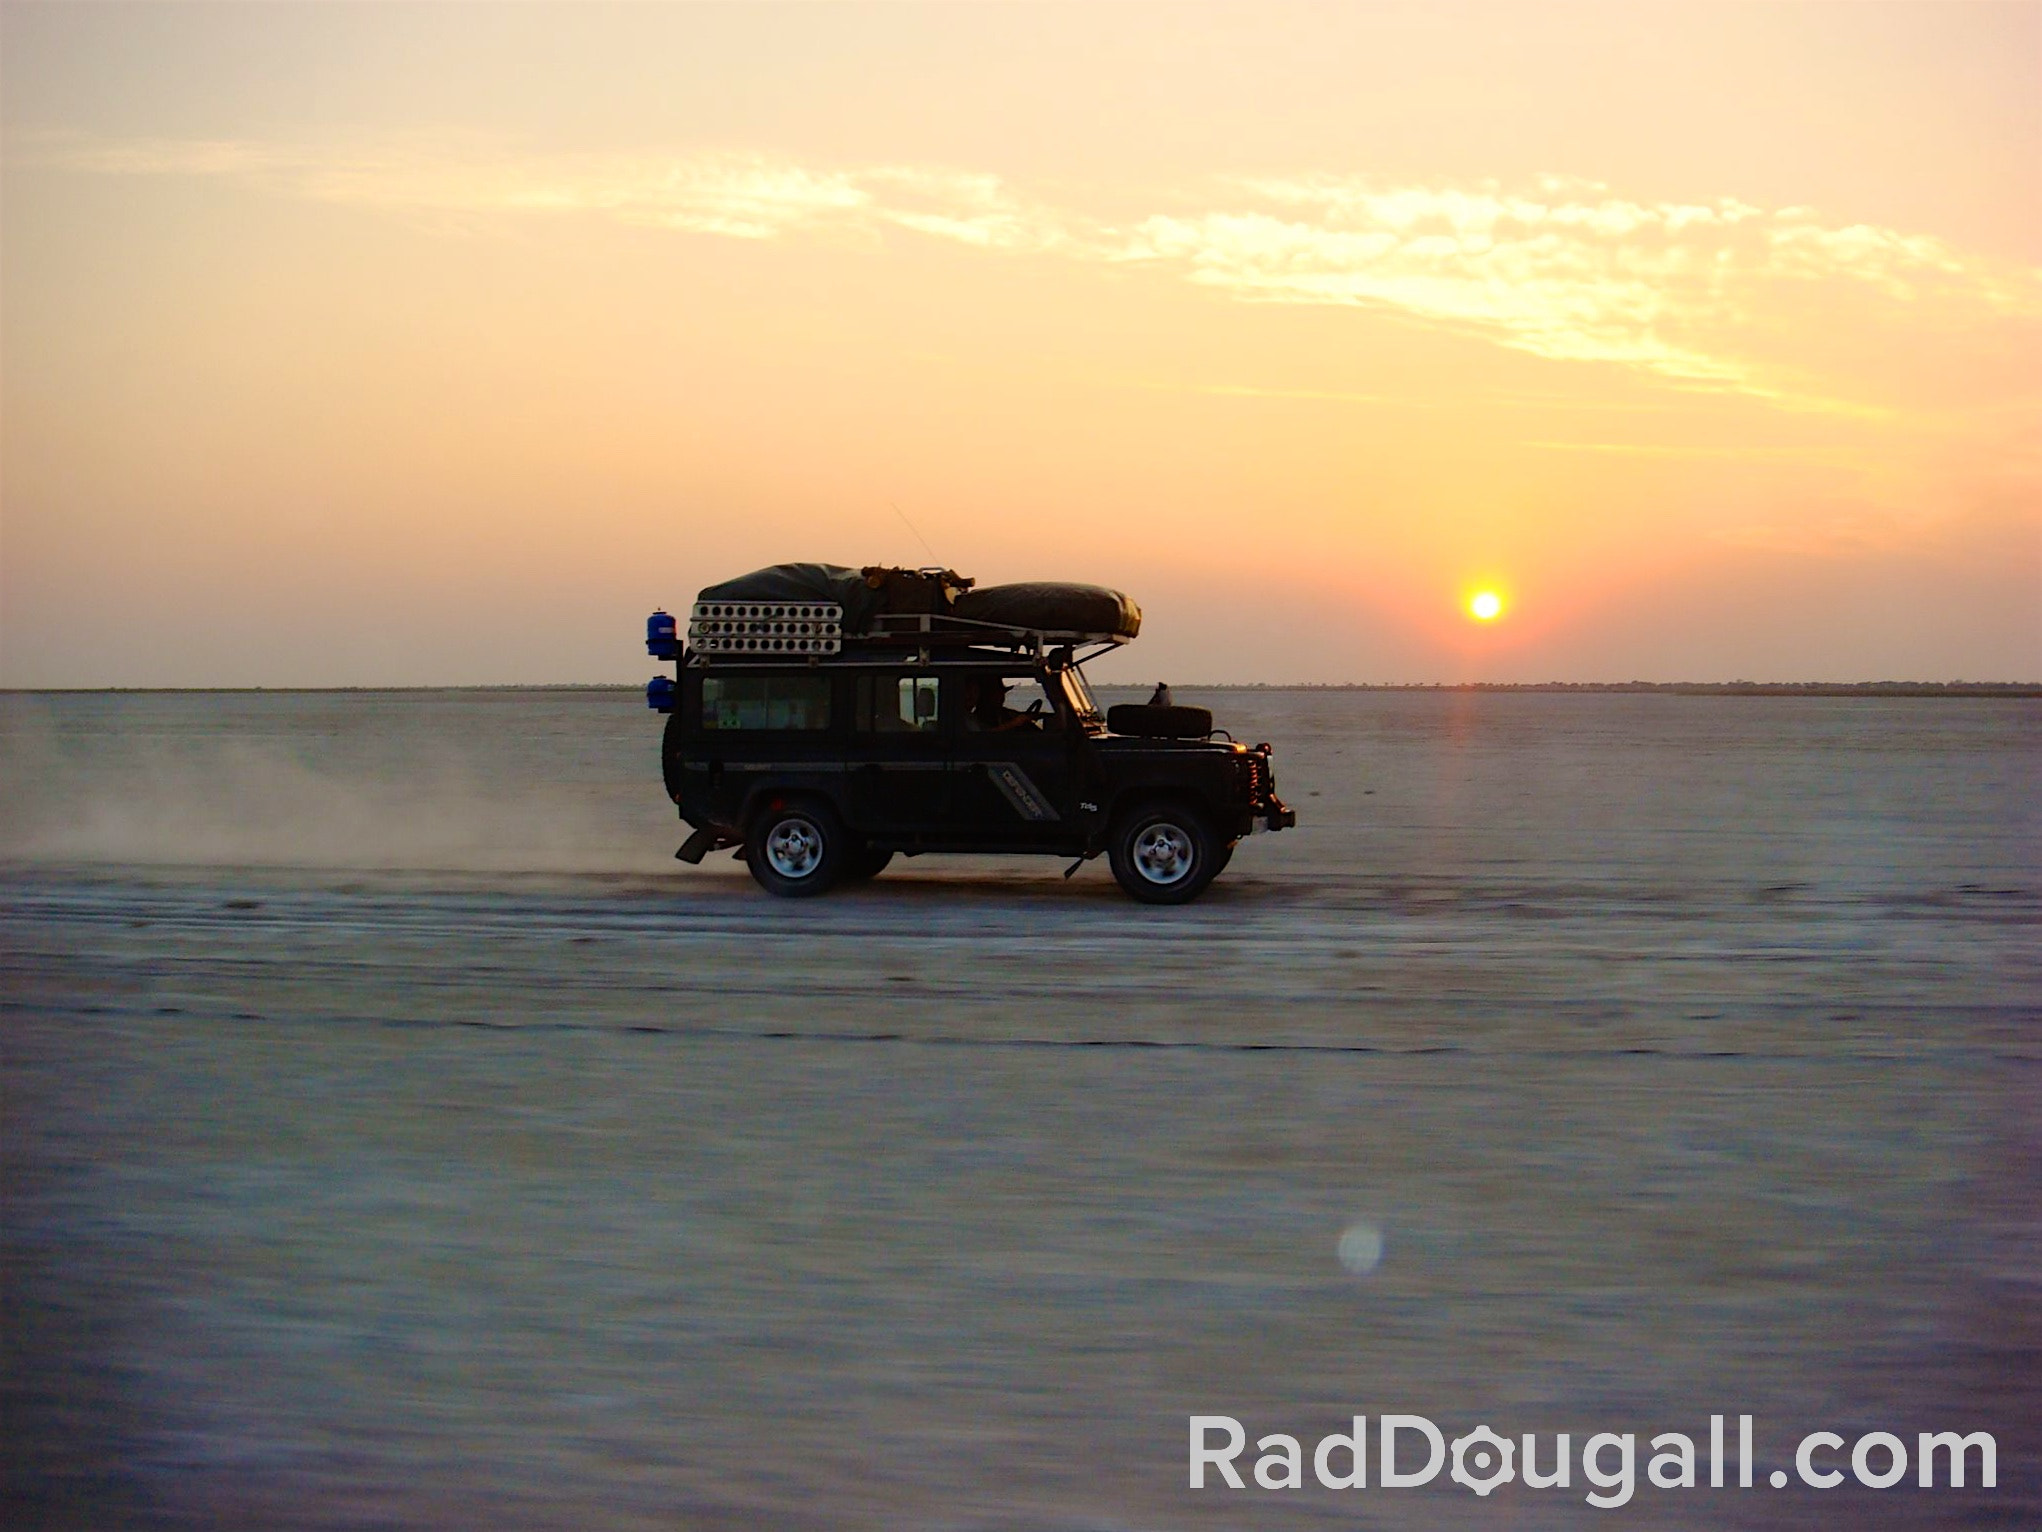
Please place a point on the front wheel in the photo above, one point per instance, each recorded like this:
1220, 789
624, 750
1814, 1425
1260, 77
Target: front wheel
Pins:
1164, 853
795, 849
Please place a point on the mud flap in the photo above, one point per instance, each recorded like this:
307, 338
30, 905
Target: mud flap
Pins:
696, 846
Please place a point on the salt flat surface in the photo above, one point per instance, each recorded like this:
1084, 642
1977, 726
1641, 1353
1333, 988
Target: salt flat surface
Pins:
396, 1136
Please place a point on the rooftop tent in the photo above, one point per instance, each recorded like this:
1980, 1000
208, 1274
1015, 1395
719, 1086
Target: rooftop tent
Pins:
1053, 606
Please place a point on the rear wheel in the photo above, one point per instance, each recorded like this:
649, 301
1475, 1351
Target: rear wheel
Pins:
1164, 853
796, 848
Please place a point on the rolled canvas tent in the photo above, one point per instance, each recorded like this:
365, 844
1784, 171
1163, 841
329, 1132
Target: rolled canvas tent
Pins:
1053, 606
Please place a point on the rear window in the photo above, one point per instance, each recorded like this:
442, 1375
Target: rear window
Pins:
765, 702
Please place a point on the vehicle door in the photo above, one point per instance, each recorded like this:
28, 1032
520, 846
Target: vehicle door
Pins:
898, 761
1012, 760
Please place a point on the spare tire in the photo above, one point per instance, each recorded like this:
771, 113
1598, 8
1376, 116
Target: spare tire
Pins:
1148, 721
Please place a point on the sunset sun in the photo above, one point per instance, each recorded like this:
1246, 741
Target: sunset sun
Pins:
1485, 606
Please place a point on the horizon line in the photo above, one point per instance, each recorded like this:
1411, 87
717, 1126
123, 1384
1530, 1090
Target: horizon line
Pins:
1686, 688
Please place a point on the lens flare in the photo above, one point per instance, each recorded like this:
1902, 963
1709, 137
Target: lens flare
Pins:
1485, 606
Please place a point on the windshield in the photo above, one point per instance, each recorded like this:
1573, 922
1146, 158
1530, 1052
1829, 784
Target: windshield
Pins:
1079, 694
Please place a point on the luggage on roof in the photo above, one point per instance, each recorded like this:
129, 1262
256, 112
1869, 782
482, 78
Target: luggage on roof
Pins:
881, 601
830, 584
863, 594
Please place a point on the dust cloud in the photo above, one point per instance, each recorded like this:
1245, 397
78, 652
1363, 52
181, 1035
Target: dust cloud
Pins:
126, 781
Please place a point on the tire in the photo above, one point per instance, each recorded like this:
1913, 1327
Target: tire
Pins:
1164, 853
670, 752
796, 848
863, 865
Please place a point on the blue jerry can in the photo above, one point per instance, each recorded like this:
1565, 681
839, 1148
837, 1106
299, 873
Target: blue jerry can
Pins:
662, 639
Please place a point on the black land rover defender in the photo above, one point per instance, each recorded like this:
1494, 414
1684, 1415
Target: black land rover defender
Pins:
826, 718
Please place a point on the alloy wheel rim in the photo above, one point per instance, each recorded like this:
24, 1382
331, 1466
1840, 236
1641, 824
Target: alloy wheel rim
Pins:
1164, 854
794, 848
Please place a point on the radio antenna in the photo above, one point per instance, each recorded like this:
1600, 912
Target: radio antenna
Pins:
903, 515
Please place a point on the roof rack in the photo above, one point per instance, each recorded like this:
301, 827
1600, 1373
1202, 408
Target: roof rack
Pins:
779, 630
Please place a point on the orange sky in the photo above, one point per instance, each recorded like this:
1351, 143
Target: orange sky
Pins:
413, 344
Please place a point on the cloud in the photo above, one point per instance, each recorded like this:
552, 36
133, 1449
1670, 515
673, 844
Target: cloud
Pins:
1549, 293
736, 195
1567, 270
1704, 294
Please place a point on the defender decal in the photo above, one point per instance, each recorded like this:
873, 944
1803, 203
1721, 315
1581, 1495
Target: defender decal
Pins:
1015, 787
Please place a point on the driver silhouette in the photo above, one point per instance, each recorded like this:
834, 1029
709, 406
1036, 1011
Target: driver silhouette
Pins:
986, 710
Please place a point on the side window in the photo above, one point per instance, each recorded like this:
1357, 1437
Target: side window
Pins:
915, 699
898, 704
995, 704
765, 702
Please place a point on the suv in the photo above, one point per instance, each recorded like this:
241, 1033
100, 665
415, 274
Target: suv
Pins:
824, 743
